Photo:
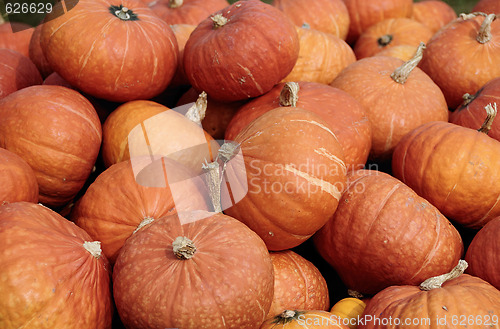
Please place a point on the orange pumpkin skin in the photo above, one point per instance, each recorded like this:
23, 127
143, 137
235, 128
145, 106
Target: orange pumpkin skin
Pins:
384, 234
403, 52
321, 57
48, 276
305, 319
229, 64
228, 283
57, 132
458, 301
298, 284
55, 79
17, 72
19, 40
130, 202
17, 179
452, 46
483, 254
345, 116
136, 59
295, 174
36, 53
487, 6
190, 12
389, 33
433, 13
328, 16
349, 310
457, 171
182, 33
369, 81
471, 112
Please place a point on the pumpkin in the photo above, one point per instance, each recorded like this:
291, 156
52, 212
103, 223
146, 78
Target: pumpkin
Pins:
389, 33
463, 301
364, 14
124, 52
349, 310
16, 36
433, 13
328, 16
298, 284
124, 198
146, 128
343, 114
403, 52
17, 179
483, 253
57, 132
453, 46
55, 79
190, 12
294, 173
291, 319
36, 53
397, 97
182, 33
384, 234
229, 64
321, 57
471, 112
455, 168
217, 274
51, 271
17, 72
487, 6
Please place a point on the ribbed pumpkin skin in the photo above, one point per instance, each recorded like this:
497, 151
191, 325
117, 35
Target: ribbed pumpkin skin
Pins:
460, 300
455, 168
18, 41
191, 12
487, 6
345, 116
329, 16
384, 234
48, 279
57, 132
228, 283
17, 72
17, 179
483, 254
402, 31
349, 310
113, 59
246, 57
295, 173
454, 45
306, 319
472, 114
433, 13
298, 284
116, 203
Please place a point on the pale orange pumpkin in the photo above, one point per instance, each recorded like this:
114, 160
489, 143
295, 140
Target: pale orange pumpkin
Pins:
433, 13
403, 52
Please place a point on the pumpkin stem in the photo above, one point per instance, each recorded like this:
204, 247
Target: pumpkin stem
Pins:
183, 247
144, 222
287, 316
355, 294
437, 281
491, 113
175, 3
289, 95
196, 113
468, 98
401, 74
305, 26
484, 34
93, 247
219, 21
123, 13
384, 40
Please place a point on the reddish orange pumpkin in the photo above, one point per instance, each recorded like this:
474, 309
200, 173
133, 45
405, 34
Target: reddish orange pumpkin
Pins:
241, 52
16, 36
17, 179
57, 132
17, 72
36, 53
218, 272
487, 6
403, 52
384, 234
433, 13
299, 319
343, 114
455, 168
182, 33
190, 12
329, 16
55, 79
474, 40
298, 284
124, 52
51, 271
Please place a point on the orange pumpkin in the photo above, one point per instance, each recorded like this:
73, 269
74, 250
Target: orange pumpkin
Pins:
17, 179
190, 12
36, 53
17, 72
433, 13
403, 52
16, 36
182, 33
487, 6
290, 319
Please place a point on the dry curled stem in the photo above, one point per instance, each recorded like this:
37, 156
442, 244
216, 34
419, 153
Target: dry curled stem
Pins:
196, 113
401, 74
289, 95
491, 113
437, 281
219, 21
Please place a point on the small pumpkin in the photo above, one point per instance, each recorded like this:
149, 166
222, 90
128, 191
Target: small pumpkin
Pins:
349, 310
433, 13
36, 53
17, 72
190, 12
16, 36
17, 179
487, 6
291, 319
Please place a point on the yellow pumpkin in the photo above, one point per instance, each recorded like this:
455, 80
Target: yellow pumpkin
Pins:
350, 309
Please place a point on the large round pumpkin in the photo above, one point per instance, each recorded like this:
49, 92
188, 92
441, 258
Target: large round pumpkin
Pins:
487, 6
298, 319
294, 173
433, 13
205, 273
17, 179
241, 52
456, 168
57, 132
16, 36
53, 274
17, 72
384, 234
190, 12
123, 50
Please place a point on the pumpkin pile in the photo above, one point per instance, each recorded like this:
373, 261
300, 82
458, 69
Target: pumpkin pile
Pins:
251, 164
